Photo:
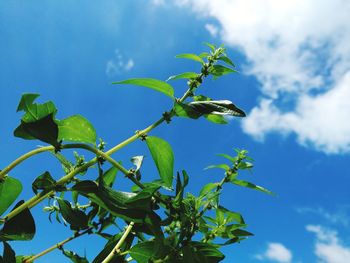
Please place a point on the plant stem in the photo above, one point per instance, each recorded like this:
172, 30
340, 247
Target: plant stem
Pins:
58, 245
116, 249
22, 158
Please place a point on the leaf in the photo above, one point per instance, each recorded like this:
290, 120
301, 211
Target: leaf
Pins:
43, 182
10, 188
184, 110
155, 84
44, 129
197, 252
26, 100
185, 75
74, 257
73, 216
245, 165
137, 161
9, 256
220, 166
147, 251
212, 47
207, 188
163, 157
109, 176
218, 107
251, 186
227, 60
232, 159
218, 119
20, 227
76, 128
191, 56
219, 70
143, 197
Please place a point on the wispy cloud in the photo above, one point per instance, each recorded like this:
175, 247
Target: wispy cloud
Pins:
276, 252
299, 51
339, 217
328, 246
212, 29
118, 64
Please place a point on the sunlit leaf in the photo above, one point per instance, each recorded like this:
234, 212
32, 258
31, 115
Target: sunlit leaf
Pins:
191, 56
155, 84
186, 75
76, 128
251, 186
10, 188
163, 157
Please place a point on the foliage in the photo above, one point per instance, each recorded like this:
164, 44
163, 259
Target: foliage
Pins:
165, 224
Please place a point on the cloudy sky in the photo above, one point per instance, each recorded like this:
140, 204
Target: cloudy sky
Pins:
294, 84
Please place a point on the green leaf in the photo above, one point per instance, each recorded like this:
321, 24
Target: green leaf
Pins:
163, 157
227, 60
148, 250
251, 186
219, 70
73, 216
185, 75
109, 176
197, 252
74, 257
27, 100
10, 188
9, 256
220, 166
76, 128
191, 56
43, 182
184, 110
232, 159
245, 165
207, 188
20, 227
212, 47
155, 84
218, 119
44, 129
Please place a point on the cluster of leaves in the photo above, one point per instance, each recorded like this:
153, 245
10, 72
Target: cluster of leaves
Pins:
168, 224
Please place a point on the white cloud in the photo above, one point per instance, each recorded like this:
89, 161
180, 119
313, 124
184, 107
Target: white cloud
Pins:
276, 252
328, 247
299, 51
339, 217
212, 29
118, 65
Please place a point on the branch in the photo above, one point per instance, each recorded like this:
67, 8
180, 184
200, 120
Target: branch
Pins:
116, 249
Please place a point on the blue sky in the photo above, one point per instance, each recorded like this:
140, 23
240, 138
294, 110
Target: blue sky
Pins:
294, 83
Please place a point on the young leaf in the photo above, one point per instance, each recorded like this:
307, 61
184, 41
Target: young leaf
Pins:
137, 161
227, 60
76, 128
212, 47
20, 227
207, 188
251, 186
191, 56
43, 182
155, 84
220, 166
26, 100
186, 75
163, 157
10, 188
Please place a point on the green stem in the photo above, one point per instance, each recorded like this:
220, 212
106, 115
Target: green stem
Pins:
116, 249
58, 245
23, 158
